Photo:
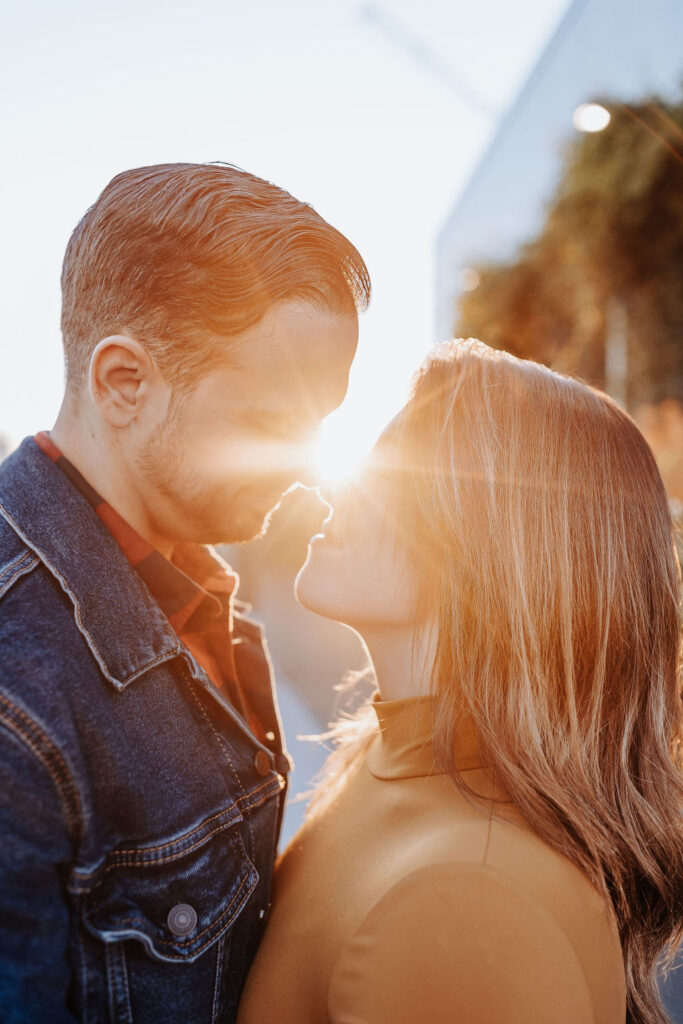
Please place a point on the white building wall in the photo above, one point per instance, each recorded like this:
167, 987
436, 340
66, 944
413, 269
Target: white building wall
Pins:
621, 48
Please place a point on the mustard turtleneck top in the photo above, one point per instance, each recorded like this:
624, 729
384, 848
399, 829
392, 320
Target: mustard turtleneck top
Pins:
402, 902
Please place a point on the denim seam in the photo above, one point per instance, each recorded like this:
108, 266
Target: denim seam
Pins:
26, 739
263, 798
127, 858
118, 683
124, 978
221, 741
191, 939
59, 772
108, 954
215, 1008
10, 565
65, 587
112, 984
83, 974
8, 581
192, 687
132, 863
118, 854
224, 745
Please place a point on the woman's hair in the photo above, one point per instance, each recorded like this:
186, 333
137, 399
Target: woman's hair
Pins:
541, 533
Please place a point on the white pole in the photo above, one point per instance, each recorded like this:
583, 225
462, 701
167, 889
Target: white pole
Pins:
616, 351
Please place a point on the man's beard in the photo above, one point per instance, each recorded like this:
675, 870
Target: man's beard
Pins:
205, 511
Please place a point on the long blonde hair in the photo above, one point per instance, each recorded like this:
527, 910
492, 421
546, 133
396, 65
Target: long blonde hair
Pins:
540, 526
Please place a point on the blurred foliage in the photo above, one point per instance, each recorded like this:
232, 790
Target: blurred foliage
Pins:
613, 232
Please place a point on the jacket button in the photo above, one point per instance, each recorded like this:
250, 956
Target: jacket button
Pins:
262, 763
182, 919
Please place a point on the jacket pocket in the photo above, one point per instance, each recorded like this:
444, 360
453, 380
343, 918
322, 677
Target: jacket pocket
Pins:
175, 898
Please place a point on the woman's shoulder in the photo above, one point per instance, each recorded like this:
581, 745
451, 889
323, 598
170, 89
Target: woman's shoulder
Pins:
466, 936
494, 848
484, 829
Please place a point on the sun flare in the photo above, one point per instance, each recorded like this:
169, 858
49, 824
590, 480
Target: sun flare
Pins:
339, 451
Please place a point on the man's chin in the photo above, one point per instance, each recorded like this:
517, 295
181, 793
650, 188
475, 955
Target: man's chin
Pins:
251, 526
251, 533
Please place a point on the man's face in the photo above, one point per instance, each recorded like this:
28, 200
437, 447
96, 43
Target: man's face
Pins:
225, 454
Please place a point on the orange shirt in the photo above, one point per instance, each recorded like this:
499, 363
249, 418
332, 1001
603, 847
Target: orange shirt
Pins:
403, 902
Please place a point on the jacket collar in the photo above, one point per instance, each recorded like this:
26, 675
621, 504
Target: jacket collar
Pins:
121, 623
403, 747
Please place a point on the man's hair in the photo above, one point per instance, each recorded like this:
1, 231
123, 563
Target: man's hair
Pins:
183, 256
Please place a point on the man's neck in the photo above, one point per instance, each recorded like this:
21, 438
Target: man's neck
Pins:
99, 460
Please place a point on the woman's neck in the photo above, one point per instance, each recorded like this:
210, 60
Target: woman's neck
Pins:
402, 660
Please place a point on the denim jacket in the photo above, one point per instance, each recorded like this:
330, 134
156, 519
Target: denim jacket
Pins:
139, 816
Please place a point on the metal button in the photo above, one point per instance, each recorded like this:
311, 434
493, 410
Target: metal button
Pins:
262, 763
182, 919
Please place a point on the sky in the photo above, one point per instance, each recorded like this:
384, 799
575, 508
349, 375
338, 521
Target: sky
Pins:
375, 113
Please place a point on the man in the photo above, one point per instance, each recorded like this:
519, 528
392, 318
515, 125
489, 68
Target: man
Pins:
209, 323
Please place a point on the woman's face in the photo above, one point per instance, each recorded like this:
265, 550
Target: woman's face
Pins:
357, 570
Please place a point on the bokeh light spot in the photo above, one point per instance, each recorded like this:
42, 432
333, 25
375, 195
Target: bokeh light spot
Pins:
591, 117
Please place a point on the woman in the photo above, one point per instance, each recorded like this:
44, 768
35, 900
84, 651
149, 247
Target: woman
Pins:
496, 837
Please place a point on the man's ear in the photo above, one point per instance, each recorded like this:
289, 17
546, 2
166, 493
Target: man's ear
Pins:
121, 378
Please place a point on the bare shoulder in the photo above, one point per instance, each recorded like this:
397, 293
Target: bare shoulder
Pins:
463, 940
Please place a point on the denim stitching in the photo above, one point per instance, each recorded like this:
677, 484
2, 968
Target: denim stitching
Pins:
17, 560
115, 957
17, 731
162, 846
124, 972
65, 587
221, 741
217, 981
7, 580
108, 954
131, 863
190, 940
252, 807
118, 683
127, 858
83, 973
223, 929
58, 771
33, 726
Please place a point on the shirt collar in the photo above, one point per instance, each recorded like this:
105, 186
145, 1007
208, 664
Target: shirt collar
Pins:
122, 625
196, 584
403, 747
